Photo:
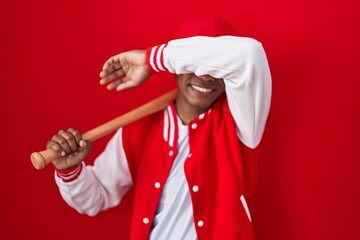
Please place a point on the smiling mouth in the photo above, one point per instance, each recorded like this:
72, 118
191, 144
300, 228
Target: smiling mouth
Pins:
201, 89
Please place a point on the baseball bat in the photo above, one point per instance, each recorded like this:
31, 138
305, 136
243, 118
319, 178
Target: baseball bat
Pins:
43, 158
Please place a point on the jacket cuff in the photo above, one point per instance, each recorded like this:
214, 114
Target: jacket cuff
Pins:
155, 58
69, 175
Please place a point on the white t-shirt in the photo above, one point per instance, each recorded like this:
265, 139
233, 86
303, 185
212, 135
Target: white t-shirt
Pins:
174, 214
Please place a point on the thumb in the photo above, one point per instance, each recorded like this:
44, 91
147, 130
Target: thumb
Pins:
86, 147
127, 85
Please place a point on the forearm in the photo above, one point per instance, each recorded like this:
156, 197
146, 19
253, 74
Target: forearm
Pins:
219, 57
101, 186
84, 194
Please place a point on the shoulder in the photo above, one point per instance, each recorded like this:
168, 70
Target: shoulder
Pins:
138, 130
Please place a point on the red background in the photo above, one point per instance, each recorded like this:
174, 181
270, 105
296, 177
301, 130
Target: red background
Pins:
51, 54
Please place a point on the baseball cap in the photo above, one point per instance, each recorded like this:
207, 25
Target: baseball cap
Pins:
206, 24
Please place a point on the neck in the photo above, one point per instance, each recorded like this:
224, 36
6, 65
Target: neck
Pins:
186, 111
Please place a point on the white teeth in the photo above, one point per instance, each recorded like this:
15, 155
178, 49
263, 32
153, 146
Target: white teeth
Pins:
200, 89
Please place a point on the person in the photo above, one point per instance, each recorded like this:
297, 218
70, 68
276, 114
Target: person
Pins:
193, 164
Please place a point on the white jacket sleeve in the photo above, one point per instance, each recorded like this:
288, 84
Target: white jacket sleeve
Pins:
102, 185
243, 65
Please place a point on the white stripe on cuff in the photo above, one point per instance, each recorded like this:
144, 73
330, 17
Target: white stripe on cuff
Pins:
152, 63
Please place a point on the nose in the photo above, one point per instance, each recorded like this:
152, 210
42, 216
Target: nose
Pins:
206, 78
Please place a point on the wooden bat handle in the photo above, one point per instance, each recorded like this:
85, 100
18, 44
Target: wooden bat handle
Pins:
43, 158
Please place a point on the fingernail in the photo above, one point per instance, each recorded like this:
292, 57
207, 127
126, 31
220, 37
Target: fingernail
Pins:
82, 143
63, 153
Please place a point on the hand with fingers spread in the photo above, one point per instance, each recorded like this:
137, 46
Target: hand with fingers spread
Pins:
125, 70
70, 146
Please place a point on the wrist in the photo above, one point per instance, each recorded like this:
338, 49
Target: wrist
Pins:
70, 174
155, 59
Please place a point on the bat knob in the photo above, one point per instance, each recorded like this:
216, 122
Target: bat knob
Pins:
38, 160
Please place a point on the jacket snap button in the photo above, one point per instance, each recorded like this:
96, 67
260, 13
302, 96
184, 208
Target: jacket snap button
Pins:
146, 220
194, 126
200, 223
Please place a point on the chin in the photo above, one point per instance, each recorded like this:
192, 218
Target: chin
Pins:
201, 105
